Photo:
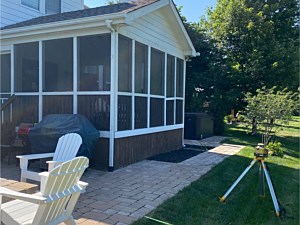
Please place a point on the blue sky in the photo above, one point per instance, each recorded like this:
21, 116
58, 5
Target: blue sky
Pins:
192, 9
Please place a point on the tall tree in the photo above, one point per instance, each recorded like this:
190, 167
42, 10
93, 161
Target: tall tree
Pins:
208, 83
260, 41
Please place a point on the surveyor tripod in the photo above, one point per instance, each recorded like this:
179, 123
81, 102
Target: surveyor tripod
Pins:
262, 171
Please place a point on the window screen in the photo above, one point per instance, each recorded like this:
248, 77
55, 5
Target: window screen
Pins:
179, 78
125, 64
170, 112
124, 113
57, 105
25, 109
157, 72
170, 76
53, 6
35, 4
96, 109
140, 112
179, 111
141, 68
156, 112
58, 65
26, 67
5, 73
94, 63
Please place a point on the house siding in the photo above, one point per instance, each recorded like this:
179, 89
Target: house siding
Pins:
155, 30
136, 148
67, 5
12, 11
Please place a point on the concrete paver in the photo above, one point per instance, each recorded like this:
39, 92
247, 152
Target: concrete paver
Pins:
127, 194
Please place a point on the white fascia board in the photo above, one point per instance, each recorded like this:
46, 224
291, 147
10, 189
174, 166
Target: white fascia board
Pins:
129, 133
131, 16
61, 26
5, 49
192, 51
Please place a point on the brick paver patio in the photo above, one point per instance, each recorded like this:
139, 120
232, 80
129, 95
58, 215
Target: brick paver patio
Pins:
127, 194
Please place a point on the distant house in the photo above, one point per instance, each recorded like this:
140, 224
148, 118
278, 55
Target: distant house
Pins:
122, 66
14, 11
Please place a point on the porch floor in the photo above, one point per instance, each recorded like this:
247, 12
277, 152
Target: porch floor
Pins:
129, 193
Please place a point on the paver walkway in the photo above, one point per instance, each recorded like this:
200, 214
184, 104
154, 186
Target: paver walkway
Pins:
127, 194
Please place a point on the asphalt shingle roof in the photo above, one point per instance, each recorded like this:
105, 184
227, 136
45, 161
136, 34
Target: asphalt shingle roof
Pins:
98, 11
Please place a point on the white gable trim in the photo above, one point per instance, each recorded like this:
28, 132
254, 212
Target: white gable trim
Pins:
145, 10
187, 37
131, 16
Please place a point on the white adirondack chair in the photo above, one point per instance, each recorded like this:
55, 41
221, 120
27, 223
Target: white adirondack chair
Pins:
51, 206
66, 149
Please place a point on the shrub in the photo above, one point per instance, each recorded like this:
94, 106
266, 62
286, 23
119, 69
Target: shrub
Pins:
241, 118
275, 148
229, 118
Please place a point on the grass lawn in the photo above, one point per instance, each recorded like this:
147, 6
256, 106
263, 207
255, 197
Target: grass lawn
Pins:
199, 204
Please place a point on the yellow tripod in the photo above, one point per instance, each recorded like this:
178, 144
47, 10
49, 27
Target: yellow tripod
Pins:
259, 157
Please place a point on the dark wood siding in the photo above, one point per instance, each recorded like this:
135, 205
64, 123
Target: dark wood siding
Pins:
136, 148
100, 157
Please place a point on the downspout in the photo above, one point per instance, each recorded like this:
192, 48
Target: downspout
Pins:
113, 87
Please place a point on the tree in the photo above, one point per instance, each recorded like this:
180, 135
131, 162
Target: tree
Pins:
270, 107
259, 40
208, 84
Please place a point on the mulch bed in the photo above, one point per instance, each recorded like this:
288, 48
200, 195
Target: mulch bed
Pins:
180, 155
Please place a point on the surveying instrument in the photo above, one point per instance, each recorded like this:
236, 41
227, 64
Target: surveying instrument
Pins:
260, 154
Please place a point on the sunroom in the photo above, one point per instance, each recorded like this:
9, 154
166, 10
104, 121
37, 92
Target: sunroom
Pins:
122, 66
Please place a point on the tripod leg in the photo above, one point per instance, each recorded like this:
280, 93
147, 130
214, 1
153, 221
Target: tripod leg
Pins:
272, 192
261, 181
222, 199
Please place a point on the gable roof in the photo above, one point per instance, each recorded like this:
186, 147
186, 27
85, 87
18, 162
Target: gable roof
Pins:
122, 13
90, 12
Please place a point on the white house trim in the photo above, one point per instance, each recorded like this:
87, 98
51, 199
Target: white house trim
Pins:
132, 84
63, 26
148, 88
145, 10
193, 51
75, 75
12, 70
128, 133
41, 80
113, 94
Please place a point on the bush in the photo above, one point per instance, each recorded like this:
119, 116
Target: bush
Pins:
241, 118
275, 148
229, 118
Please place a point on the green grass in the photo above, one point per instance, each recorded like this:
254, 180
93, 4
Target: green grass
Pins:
198, 203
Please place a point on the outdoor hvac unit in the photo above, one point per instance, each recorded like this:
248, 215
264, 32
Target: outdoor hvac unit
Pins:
198, 126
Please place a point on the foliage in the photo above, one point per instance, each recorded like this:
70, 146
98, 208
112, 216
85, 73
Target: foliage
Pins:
259, 40
269, 106
241, 118
207, 83
275, 148
229, 118
244, 45
111, 2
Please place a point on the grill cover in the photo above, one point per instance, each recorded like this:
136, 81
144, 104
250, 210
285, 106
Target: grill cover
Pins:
44, 136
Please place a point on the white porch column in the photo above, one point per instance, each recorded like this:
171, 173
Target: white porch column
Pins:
184, 81
40, 80
75, 75
113, 97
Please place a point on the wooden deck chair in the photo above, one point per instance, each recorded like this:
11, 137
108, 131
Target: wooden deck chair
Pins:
51, 206
66, 149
